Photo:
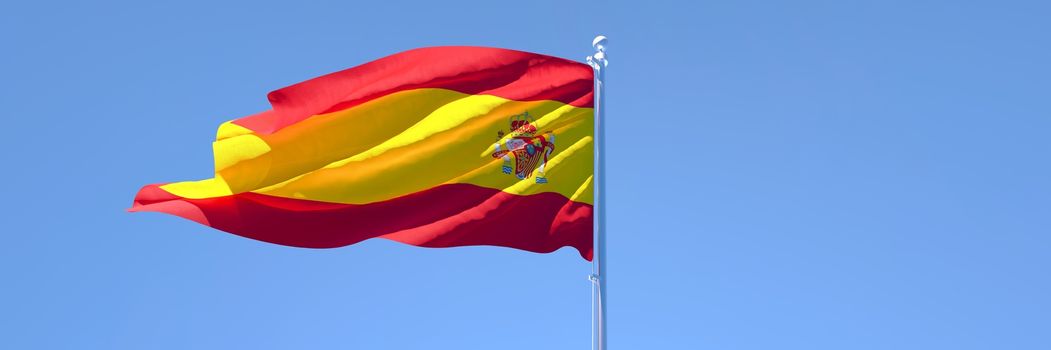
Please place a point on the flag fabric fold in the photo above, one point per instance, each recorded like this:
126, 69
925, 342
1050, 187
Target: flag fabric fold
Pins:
434, 147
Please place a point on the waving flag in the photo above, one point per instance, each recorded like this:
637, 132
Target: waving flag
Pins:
434, 147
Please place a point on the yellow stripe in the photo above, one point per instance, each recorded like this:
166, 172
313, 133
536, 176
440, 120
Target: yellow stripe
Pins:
396, 145
318, 141
229, 129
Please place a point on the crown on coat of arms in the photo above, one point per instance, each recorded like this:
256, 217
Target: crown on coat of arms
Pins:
522, 125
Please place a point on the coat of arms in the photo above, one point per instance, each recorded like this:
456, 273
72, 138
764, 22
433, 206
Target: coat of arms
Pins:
524, 148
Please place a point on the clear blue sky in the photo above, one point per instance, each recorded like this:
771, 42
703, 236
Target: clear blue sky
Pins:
813, 175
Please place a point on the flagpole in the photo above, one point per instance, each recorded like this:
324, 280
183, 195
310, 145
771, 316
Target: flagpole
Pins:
598, 277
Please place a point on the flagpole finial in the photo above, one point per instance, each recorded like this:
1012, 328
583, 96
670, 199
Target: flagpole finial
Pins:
600, 43
598, 60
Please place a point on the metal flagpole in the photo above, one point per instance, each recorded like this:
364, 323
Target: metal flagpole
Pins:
598, 276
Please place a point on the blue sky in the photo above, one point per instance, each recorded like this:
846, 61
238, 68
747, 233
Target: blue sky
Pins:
804, 175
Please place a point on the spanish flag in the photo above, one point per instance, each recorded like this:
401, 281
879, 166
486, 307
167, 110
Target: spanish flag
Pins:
433, 147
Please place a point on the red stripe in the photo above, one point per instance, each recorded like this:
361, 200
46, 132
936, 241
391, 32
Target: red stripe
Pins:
510, 74
444, 216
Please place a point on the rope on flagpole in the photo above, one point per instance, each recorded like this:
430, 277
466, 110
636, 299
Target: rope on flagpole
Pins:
598, 278
594, 286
